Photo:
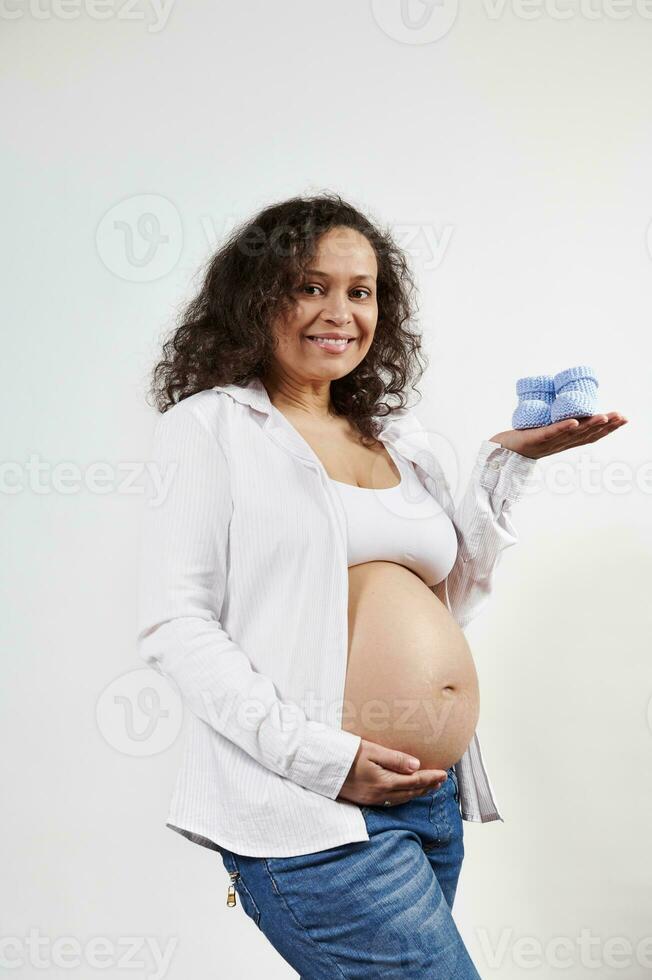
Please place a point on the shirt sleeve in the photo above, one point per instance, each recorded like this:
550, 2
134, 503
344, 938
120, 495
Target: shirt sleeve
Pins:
483, 524
182, 585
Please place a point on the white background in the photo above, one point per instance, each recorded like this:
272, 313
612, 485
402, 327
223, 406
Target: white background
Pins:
510, 148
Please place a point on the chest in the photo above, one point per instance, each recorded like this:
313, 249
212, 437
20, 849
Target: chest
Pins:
308, 505
346, 458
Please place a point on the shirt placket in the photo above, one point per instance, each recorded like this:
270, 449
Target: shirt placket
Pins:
284, 435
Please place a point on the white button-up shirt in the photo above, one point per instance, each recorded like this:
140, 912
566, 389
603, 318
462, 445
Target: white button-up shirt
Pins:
243, 605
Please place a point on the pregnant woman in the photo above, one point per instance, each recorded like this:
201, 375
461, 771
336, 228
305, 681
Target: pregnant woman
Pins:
305, 581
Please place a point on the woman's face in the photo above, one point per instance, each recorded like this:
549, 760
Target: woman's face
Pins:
337, 299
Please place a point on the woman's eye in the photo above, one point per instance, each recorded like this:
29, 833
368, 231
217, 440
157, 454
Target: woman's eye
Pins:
365, 292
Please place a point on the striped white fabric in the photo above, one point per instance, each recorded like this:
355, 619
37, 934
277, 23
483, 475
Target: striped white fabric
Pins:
243, 604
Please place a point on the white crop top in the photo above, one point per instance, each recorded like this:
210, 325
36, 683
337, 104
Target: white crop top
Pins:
403, 524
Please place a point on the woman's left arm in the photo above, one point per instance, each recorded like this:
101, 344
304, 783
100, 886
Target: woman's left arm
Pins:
499, 479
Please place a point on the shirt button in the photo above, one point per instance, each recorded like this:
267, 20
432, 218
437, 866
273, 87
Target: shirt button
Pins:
494, 464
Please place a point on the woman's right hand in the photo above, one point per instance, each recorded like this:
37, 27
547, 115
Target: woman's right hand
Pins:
378, 774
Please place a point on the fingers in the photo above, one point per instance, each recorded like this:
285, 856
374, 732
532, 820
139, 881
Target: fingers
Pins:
574, 435
421, 780
594, 428
395, 799
396, 761
391, 759
615, 421
394, 778
402, 789
587, 430
552, 438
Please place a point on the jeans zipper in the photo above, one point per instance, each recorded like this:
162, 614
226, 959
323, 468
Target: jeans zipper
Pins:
230, 897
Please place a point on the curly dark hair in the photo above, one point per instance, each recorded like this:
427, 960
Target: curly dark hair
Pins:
223, 335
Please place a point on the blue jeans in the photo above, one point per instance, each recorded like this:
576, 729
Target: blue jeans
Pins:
368, 909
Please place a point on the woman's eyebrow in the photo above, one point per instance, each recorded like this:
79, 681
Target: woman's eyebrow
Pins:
317, 272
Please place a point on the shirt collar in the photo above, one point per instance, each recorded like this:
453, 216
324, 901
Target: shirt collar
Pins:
400, 428
254, 394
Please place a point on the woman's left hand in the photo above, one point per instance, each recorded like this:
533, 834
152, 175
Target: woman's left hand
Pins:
544, 440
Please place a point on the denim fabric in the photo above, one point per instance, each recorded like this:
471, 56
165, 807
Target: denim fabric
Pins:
372, 908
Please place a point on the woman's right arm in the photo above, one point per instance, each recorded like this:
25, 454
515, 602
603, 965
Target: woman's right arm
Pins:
182, 581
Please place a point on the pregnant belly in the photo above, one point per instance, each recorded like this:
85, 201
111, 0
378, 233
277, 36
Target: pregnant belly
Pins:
411, 682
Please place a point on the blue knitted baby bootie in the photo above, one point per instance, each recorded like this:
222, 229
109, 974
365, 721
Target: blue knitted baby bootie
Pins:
576, 391
535, 398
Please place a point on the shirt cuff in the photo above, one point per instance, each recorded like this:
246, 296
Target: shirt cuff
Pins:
503, 471
324, 760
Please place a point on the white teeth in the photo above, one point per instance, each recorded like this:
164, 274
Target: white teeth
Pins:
330, 340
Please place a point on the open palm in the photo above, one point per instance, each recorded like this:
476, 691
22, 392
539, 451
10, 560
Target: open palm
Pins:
544, 440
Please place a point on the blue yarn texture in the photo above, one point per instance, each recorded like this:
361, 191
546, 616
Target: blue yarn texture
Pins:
545, 398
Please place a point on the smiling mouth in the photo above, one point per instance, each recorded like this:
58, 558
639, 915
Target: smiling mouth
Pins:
331, 344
